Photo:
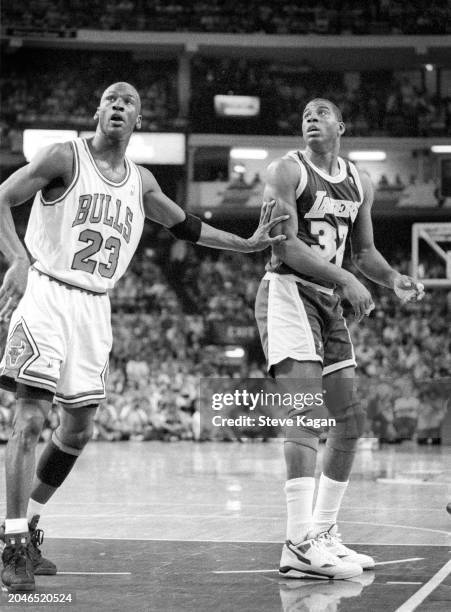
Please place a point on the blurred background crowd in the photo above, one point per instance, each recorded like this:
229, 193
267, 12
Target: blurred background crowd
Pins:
163, 347
268, 16
374, 103
182, 314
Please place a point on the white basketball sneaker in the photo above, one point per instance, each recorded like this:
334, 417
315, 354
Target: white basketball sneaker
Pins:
332, 541
311, 559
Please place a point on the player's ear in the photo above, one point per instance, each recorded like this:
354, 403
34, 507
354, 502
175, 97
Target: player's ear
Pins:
341, 128
138, 122
96, 116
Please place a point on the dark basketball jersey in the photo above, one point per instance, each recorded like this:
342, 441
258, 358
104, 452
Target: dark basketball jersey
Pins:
326, 207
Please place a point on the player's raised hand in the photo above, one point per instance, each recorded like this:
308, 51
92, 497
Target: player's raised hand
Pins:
407, 289
261, 238
359, 297
13, 287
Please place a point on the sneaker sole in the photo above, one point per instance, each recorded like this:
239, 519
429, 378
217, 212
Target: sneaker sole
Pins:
369, 565
20, 588
44, 572
291, 572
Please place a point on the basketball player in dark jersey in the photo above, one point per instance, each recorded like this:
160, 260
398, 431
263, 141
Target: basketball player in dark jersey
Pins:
304, 333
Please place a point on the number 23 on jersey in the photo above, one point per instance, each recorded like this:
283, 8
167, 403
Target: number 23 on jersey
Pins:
83, 258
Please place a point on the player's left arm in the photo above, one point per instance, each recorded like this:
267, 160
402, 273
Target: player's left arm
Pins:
185, 226
369, 260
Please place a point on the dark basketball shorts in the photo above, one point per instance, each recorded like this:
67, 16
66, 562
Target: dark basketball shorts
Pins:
300, 322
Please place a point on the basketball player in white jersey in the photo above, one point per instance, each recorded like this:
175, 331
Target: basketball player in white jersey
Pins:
86, 222
304, 334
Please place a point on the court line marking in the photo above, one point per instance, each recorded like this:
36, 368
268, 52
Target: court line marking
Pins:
244, 506
417, 598
399, 582
412, 481
373, 524
400, 561
424, 471
263, 571
242, 518
94, 573
207, 541
258, 571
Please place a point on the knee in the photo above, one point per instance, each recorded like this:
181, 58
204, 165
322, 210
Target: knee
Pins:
349, 427
28, 424
301, 444
75, 439
302, 431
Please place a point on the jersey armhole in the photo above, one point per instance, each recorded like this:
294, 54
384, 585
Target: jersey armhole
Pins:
75, 175
141, 188
356, 177
294, 155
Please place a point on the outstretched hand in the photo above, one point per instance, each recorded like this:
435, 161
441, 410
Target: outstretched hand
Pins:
261, 238
13, 287
407, 289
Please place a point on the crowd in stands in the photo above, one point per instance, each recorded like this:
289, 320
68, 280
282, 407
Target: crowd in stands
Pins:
68, 98
373, 103
160, 352
265, 16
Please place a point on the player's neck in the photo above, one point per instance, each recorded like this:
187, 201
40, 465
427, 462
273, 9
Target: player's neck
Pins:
324, 160
108, 150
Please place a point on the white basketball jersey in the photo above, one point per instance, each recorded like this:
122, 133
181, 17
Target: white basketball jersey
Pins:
88, 236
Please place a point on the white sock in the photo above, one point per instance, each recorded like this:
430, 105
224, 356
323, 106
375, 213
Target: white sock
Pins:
34, 507
299, 493
17, 525
328, 502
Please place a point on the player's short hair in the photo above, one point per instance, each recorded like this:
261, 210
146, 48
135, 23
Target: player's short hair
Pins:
125, 84
334, 107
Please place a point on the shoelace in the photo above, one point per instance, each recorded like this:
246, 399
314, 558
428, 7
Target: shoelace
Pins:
37, 537
334, 538
318, 544
16, 555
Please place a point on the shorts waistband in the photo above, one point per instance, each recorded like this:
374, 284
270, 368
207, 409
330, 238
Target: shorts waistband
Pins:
301, 281
68, 285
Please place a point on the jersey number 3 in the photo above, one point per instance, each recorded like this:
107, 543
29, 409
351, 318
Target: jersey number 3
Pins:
331, 241
82, 259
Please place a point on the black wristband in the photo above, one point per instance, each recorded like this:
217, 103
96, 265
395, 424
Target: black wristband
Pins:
189, 229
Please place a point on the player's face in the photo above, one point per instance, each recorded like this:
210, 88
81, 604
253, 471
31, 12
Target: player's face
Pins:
320, 124
119, 109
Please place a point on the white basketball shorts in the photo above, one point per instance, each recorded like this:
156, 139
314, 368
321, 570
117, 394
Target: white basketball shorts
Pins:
59, 339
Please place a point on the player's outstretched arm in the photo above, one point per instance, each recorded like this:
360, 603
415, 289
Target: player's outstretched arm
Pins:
260, 239
158, 207
369, 260
50, 163
281, 184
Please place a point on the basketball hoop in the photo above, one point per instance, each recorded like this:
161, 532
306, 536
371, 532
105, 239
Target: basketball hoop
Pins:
438, 237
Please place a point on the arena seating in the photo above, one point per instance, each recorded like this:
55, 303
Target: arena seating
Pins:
267, 16
160, 351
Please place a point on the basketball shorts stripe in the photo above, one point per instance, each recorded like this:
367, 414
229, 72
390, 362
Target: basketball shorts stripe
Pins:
301, 323
59, 339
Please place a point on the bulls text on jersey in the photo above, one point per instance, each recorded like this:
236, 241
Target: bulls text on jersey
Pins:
100, 208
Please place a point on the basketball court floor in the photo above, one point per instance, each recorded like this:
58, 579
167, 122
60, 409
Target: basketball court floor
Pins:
156, 527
